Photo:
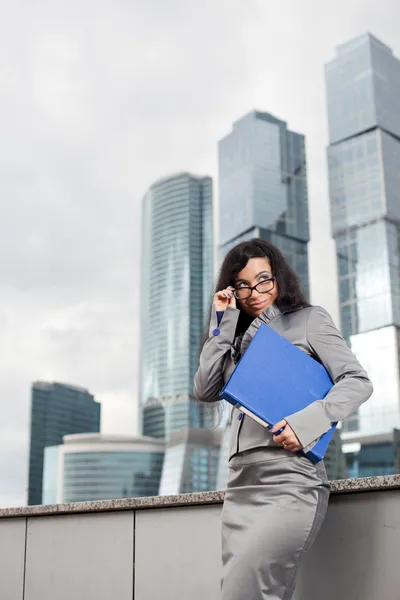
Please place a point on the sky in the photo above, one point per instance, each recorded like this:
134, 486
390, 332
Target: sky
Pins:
97, 100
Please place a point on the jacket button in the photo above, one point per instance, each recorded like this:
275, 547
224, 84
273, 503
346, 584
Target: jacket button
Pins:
240, 417
216, 331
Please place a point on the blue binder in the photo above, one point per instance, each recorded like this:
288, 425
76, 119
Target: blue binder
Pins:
275, 379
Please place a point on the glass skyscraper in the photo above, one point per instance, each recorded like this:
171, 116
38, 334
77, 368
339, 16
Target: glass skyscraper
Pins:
191, 461
97, 466
56, 410
263, 188
363, 90
176, 290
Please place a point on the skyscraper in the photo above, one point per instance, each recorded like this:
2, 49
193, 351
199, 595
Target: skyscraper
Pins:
176, 288
191, 462
263, 188
363, 90
99, 466
56, 410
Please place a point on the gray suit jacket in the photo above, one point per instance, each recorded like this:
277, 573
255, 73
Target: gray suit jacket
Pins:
312, 330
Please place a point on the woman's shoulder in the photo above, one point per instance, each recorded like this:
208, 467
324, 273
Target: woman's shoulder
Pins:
314, 315
310, 309
318, 323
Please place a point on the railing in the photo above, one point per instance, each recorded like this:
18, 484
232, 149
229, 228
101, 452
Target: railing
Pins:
168, 548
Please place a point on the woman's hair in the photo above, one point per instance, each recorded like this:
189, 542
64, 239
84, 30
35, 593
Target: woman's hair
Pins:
290, 295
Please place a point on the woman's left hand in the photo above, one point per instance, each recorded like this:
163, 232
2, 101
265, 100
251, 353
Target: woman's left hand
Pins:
287, 439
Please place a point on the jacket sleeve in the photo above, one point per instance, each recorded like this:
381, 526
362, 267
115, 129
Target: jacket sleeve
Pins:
208, 381
351, 384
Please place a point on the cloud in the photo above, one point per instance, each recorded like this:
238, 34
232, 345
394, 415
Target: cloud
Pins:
99, 99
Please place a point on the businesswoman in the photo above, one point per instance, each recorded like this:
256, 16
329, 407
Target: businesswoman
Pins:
276, 499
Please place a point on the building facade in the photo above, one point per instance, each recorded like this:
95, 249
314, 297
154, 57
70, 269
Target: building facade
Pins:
191, 461
176, 289
89, 467
263, 189
363, 87
56, 410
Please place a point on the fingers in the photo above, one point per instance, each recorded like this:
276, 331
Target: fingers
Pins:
232, 299
279, 426
291, 443
295, 447
224, 298
287, 439
226, 293
282, 437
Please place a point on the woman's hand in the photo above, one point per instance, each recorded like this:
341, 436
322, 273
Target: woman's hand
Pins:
287, 439
224, 298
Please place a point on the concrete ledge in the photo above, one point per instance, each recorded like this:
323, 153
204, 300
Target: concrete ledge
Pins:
342, 486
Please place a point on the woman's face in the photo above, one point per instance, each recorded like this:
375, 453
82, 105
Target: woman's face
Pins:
257, 271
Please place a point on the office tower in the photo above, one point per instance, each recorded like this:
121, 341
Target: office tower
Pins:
191, 461
88, 467
56, 410
176, 290
263, 189
363, 90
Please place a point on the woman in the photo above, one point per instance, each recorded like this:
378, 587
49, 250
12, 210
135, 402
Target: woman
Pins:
276, 499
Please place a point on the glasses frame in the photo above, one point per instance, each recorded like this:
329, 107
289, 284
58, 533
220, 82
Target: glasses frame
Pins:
271, 279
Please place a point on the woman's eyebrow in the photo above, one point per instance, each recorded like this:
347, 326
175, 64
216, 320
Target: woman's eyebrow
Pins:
262, 273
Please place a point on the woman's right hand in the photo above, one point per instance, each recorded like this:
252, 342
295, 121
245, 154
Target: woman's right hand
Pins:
224, 298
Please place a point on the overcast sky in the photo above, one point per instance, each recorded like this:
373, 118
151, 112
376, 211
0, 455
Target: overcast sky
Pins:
98, 98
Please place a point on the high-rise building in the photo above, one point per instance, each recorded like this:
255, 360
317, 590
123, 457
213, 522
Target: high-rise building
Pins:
176, 289
56, 410
363, 88
191, 461
88, 467
263, 189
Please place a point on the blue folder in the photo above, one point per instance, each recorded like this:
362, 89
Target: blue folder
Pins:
275, 379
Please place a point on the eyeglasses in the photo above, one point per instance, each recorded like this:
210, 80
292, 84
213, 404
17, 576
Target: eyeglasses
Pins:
263, 287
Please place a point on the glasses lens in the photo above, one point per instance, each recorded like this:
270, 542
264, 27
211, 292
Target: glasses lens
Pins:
243, 293
265, 286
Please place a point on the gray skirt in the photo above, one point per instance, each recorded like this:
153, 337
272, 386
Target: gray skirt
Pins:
274, 506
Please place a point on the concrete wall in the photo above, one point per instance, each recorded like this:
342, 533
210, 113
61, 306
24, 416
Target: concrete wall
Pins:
174, 553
